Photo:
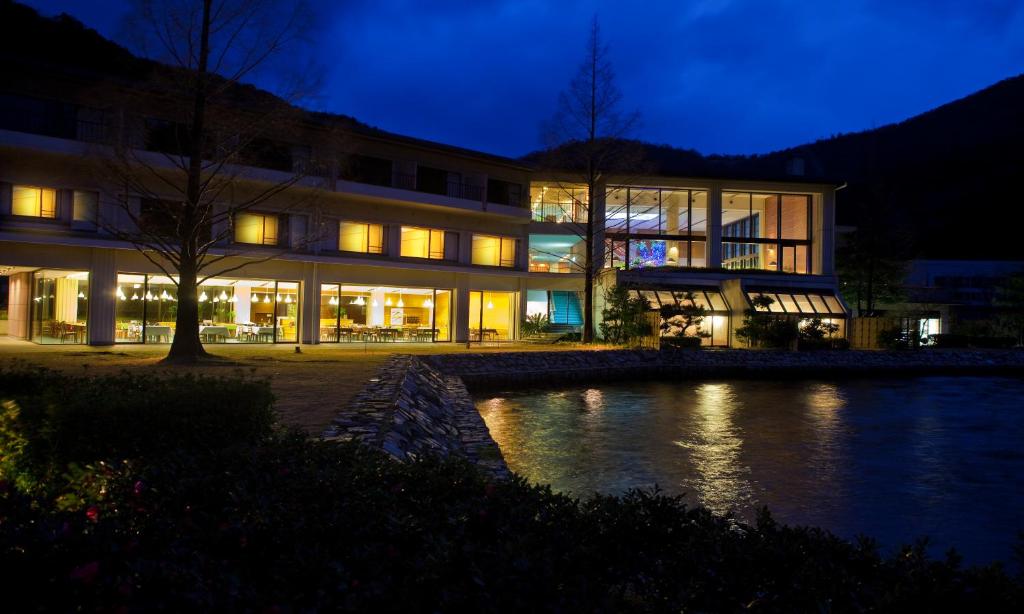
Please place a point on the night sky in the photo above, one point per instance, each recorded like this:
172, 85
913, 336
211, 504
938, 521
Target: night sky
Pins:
719, 76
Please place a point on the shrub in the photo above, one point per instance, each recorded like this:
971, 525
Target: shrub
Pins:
50, 420
624, 317
535, 324
680, 343
898, 338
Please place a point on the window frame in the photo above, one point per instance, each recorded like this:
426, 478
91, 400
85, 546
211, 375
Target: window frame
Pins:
380, 251
39, 203
630, 234
263, 229
742, 243
503, 241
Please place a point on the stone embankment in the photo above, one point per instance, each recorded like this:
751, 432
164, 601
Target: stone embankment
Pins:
410, 410
483, 371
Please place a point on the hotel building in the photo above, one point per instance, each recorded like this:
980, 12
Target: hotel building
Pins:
396, 239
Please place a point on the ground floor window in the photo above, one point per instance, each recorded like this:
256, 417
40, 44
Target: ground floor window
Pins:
230, 310
60, 307
492, 315
712, 328
561, 307
350, 313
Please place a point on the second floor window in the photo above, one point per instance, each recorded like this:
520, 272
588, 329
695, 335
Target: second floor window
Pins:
84, 205
360, 237
494, 251
34, 202
256, 228
423, 243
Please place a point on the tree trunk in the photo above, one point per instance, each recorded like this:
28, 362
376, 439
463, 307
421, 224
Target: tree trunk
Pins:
186, 346
588, 277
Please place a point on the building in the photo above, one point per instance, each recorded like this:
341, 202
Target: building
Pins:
396, 239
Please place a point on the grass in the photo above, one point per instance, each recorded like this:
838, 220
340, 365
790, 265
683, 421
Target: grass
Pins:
311, 387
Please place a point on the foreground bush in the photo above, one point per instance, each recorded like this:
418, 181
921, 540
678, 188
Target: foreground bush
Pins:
280, 522
49, 421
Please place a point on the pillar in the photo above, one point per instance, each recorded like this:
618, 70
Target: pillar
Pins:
461, 308
19, 300
102, 296
713, 249
310, 316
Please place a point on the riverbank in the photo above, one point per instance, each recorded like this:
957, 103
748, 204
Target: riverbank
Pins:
500, 370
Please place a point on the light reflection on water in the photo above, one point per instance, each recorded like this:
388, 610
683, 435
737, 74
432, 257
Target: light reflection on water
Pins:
894, 459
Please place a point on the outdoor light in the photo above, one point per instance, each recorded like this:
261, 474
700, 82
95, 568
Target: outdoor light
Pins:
428, 304
203, 298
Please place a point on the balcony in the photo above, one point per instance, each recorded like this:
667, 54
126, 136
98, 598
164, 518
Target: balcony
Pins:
53, 118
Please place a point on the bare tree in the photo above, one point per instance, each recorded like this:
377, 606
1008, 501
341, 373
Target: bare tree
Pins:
587, 141
212, 127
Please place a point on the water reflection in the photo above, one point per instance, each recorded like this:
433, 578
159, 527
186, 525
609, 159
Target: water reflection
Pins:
714, 444
892, 459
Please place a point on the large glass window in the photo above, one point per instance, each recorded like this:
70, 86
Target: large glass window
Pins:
655, 227
34, 202
350, 313
557, 254
492, 315
766, 231
230, 310
552, 202
84, 206
713, 328
494, 251
360, 237
60, 306
423, 243
256, 228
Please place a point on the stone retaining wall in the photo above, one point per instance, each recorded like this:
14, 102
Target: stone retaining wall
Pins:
496, 370
411, 410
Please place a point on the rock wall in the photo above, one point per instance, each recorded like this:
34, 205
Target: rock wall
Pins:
411, 410
496, 370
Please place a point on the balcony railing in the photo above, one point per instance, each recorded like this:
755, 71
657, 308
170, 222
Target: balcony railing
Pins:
465, 191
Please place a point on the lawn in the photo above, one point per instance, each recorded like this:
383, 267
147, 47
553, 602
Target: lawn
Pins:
311, 387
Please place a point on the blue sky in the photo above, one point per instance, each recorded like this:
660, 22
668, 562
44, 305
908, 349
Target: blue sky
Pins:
719, 76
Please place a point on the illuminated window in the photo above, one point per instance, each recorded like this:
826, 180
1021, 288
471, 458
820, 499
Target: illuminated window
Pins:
494, 251
256, 229
362, 238
34, 202
422, 243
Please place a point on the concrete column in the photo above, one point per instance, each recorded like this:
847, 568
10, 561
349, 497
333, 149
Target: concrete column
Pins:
19, 300
376, 307
713, 249
461, 333
521, 312
102, 296
824, 245
310, 303
465, 247
393, 248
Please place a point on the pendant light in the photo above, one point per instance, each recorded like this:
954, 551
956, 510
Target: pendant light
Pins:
375, 303
266, 298
256, 298
203, 298
149, 296
359, 301
332, 301
81, 294
135, 296
120, 293
387, 302
278, 298
401, 303
288, 299
428, 304
490, 305
223, 295
233, 299
164, 296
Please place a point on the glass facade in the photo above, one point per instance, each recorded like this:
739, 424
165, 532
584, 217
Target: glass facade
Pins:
557, 254
713, 328
350, 313
804, 306
492, 315
766, 231
552, 202
655, 227
60, 307
230, 310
